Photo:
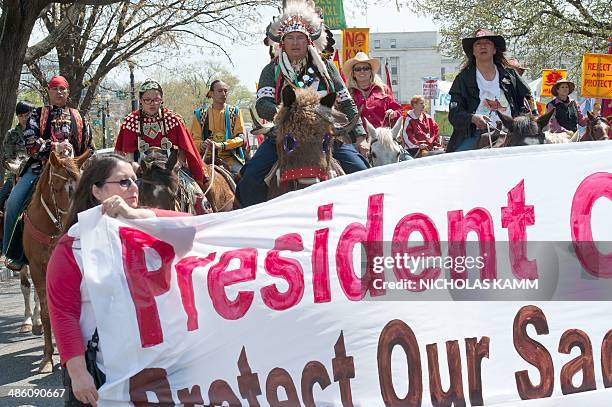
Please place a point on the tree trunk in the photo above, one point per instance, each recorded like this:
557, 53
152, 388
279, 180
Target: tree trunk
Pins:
19, 20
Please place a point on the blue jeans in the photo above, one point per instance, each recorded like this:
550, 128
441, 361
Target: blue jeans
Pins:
469, 143
252, 189
15, 205
5, 191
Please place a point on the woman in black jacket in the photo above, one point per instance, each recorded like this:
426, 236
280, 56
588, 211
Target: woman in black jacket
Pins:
486, 84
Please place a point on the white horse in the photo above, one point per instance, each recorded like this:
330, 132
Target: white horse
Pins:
385, 147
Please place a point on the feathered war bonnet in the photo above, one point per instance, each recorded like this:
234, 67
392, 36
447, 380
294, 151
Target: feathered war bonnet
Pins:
299, 16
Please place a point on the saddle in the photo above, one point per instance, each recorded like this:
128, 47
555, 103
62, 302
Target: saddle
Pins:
219, 162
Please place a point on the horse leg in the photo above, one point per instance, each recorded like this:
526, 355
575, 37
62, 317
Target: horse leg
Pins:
26, 290
37, 328
38, 277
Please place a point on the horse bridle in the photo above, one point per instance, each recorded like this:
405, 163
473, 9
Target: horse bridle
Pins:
57, 218
371, 160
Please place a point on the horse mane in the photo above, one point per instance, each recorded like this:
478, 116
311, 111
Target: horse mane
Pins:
385, 137
524, 130
297, 113
524, 125
157, 165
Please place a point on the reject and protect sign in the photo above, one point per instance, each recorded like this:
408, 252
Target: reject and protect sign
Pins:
596, 76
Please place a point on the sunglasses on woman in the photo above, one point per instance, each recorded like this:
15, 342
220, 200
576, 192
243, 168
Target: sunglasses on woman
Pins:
362, 69
123, 183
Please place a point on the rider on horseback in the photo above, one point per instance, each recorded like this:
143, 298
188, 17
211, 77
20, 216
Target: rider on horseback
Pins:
221, 127
300, 35
567, 113
373, 98
421, 130
13, 150
51, 127
154, 125
486, 84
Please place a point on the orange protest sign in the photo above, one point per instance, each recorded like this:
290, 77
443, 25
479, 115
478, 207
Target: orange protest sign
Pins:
549, 78
353, 41
596, 76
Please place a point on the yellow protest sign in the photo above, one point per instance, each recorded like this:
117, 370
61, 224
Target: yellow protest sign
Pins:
353, 41
596, 76
549, 78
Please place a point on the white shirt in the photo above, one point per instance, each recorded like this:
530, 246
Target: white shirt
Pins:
492, 98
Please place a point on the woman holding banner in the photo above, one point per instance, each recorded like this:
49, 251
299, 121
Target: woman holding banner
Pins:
109, 181
486, 84
372, 97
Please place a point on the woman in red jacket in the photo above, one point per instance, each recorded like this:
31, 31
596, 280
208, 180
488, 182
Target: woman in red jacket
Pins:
372, 97
421, 130
109, 181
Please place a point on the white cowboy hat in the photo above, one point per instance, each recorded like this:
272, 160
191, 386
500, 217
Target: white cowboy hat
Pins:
360, 57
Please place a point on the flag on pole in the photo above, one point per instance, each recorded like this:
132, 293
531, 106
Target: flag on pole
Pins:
336, 61
388, 75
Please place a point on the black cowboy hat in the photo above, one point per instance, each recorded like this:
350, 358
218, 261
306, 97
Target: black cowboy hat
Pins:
498, 40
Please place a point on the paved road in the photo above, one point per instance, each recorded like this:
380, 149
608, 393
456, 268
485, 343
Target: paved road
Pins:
21, 353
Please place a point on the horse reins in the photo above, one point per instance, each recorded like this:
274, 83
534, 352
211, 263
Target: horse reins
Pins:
57, 221
38, 235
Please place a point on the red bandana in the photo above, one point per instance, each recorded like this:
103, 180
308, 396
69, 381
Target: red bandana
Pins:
58, 80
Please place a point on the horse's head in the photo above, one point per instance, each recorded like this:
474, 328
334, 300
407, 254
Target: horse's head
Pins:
598, 128
384, 144
160, 181
305, 127
58, 182
525, 130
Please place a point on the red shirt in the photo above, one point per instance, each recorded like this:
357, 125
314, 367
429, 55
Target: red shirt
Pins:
373, 104
154, 129
64, 294
422, 130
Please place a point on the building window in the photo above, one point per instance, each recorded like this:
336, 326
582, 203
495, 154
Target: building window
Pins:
393, 65
376, 43
393, 43
442, 73
394, 82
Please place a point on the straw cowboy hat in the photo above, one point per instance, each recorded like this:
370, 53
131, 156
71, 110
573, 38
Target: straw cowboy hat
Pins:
360, 57
560, 82
498, 40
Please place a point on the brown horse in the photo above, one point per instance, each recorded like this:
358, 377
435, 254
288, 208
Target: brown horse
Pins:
598, 128
523, 130
306, 128
163, 187
43, 225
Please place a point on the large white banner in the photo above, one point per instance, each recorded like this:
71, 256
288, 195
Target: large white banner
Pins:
281, 304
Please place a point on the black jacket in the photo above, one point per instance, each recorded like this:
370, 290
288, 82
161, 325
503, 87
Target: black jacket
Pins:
465, 98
